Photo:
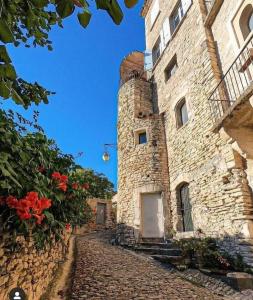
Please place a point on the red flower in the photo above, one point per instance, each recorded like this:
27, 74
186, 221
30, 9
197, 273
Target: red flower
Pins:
64, 178
30, 206
24, 215
39, 218
86, 186
45, 203
75, 186
62, 186
12, 201
68, 226
56, 175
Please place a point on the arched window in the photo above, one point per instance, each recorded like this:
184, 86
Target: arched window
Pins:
246, 21
181, 113
185, 206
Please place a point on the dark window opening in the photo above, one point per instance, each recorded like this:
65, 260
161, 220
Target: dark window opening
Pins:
182, 113
171, 68
142, 138
156, 51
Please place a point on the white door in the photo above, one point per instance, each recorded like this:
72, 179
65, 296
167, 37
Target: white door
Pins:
152, 216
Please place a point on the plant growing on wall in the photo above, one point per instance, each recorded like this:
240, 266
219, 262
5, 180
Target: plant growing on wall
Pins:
42, 190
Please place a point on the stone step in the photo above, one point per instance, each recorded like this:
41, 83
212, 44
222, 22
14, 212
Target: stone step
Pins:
159, 251
152, 240
171, 259
169, 245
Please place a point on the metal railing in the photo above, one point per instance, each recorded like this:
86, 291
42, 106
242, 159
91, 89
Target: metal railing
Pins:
209, 4
234, 83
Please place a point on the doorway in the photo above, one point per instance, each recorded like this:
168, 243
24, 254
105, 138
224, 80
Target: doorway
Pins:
101, 213
152, 215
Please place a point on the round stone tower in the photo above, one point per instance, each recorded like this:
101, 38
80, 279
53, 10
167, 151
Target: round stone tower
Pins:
143, 210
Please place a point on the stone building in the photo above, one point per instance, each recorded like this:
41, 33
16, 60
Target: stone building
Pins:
102, 210
185, 125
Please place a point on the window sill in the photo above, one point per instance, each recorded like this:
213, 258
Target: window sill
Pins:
183, 126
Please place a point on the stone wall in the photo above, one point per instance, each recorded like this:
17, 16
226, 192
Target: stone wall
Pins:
109, 219
229, 40
142, 168
28, 268
220, 195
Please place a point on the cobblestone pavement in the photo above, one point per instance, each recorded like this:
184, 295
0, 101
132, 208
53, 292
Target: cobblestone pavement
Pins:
108, 272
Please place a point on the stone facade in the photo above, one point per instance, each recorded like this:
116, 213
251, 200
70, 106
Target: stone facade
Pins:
219, 190
108, 217
28, 268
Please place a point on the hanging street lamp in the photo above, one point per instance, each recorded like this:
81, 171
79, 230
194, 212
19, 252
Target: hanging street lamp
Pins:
106, 154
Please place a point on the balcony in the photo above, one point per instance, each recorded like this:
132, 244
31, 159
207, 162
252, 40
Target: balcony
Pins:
231, 101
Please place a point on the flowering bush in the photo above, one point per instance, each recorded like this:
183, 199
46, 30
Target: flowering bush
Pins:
42, 191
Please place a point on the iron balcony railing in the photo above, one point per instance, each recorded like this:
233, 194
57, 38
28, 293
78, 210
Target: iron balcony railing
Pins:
209, 4
234, 83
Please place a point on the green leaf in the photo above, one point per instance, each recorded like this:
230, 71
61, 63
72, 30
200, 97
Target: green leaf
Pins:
65, 8
40, 3
84, 18
6, 35
4, 90
4, 57
102, 4
115, 12
113, 9
10, 72
6, 173
49, 216
16, 97
7, 71
130, 3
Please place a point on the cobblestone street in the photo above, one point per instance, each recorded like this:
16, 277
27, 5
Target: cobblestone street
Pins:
108, 272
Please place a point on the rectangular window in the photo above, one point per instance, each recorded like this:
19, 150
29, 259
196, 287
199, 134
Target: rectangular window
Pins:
171, 68
142, 138
156, 51
180, 10
176, 17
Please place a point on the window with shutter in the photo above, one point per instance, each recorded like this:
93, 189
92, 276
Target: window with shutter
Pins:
154, 12
156, 51
166, 31
186, 5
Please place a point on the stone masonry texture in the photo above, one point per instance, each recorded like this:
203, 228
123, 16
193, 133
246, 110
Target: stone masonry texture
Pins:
220, 193
28, 268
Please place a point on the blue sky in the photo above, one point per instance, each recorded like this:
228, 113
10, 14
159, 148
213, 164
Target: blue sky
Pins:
83, 70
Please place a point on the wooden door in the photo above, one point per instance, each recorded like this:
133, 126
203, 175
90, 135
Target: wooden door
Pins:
101, 213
